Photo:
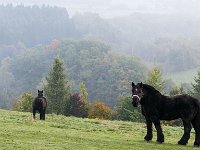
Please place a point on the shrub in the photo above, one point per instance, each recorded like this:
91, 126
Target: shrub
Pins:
76, 107
99, 110
24, 102
125, 110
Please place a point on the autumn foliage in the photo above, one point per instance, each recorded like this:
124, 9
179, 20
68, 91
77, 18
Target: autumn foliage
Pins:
99, 110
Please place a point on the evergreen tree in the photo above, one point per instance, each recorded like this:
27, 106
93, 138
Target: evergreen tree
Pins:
196, 86
154, 79
84, 98
176, 90
57, 89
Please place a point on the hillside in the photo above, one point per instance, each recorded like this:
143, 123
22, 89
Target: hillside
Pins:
19, 132
160, 39
183, 76
105, 73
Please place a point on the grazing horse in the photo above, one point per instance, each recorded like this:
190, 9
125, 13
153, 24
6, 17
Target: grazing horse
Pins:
156, 107
40, 105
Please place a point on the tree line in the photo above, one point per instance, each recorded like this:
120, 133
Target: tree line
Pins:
105, 73
62, 101
143, 35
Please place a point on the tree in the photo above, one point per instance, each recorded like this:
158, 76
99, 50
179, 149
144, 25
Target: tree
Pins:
76, 107
154, 79
57, 89
8, 85
78, 104
84, 98
196, 86
176, 90
125, 110
24, 102
99, 110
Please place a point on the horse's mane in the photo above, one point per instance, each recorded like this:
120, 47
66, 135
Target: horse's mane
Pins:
150, 88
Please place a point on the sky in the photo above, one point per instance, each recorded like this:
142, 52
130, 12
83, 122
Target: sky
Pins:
113, 8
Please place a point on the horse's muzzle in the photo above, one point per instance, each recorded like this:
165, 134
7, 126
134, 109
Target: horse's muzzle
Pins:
136, 100
135, 103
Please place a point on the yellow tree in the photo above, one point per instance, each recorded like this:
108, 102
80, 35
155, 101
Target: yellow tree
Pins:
155, 79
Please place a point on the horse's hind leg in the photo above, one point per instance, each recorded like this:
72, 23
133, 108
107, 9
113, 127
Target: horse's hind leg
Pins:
43, 114
186, 135
196, 125
34, 114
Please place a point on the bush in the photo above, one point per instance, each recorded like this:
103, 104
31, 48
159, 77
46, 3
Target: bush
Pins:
24, 102
99, 110
126, 112
76, 107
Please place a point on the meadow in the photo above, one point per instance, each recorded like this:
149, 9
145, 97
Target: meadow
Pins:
19, 132
183, 76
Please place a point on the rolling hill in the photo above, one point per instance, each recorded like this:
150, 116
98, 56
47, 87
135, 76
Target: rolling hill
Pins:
19, 132
183, 76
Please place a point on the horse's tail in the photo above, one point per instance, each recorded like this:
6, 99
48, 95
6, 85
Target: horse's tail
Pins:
196, 125
196, 119
44, 102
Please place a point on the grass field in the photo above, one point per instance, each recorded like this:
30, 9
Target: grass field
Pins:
19, 132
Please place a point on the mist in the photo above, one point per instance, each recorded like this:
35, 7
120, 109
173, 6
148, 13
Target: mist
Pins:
118, 40
114, 8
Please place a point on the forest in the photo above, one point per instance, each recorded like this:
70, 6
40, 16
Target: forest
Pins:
105, 54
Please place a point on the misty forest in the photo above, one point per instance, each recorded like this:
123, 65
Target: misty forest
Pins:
90, 60
105, 54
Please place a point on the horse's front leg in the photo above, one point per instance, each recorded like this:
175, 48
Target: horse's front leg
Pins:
149, 134
160, 135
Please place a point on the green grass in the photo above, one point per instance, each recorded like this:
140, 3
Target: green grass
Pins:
183, 77
18, 131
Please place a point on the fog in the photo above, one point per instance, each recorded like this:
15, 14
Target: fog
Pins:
119, 40
113, 8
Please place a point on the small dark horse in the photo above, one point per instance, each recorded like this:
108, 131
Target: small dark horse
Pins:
156, 107
40, 104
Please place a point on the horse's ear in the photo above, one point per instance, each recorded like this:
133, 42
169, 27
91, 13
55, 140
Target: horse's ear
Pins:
42, 91
141, 85
133, 84
38, 91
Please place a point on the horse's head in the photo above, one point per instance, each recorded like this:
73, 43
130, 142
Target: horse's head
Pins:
40, 93
137, 93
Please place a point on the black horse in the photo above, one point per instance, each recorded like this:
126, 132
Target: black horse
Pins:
40, 105
156, 107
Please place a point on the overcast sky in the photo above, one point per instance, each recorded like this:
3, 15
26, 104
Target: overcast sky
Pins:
112, 8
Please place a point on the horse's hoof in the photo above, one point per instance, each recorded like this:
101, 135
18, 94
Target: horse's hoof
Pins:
159, 142
182, 143
196, 144
148, 138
